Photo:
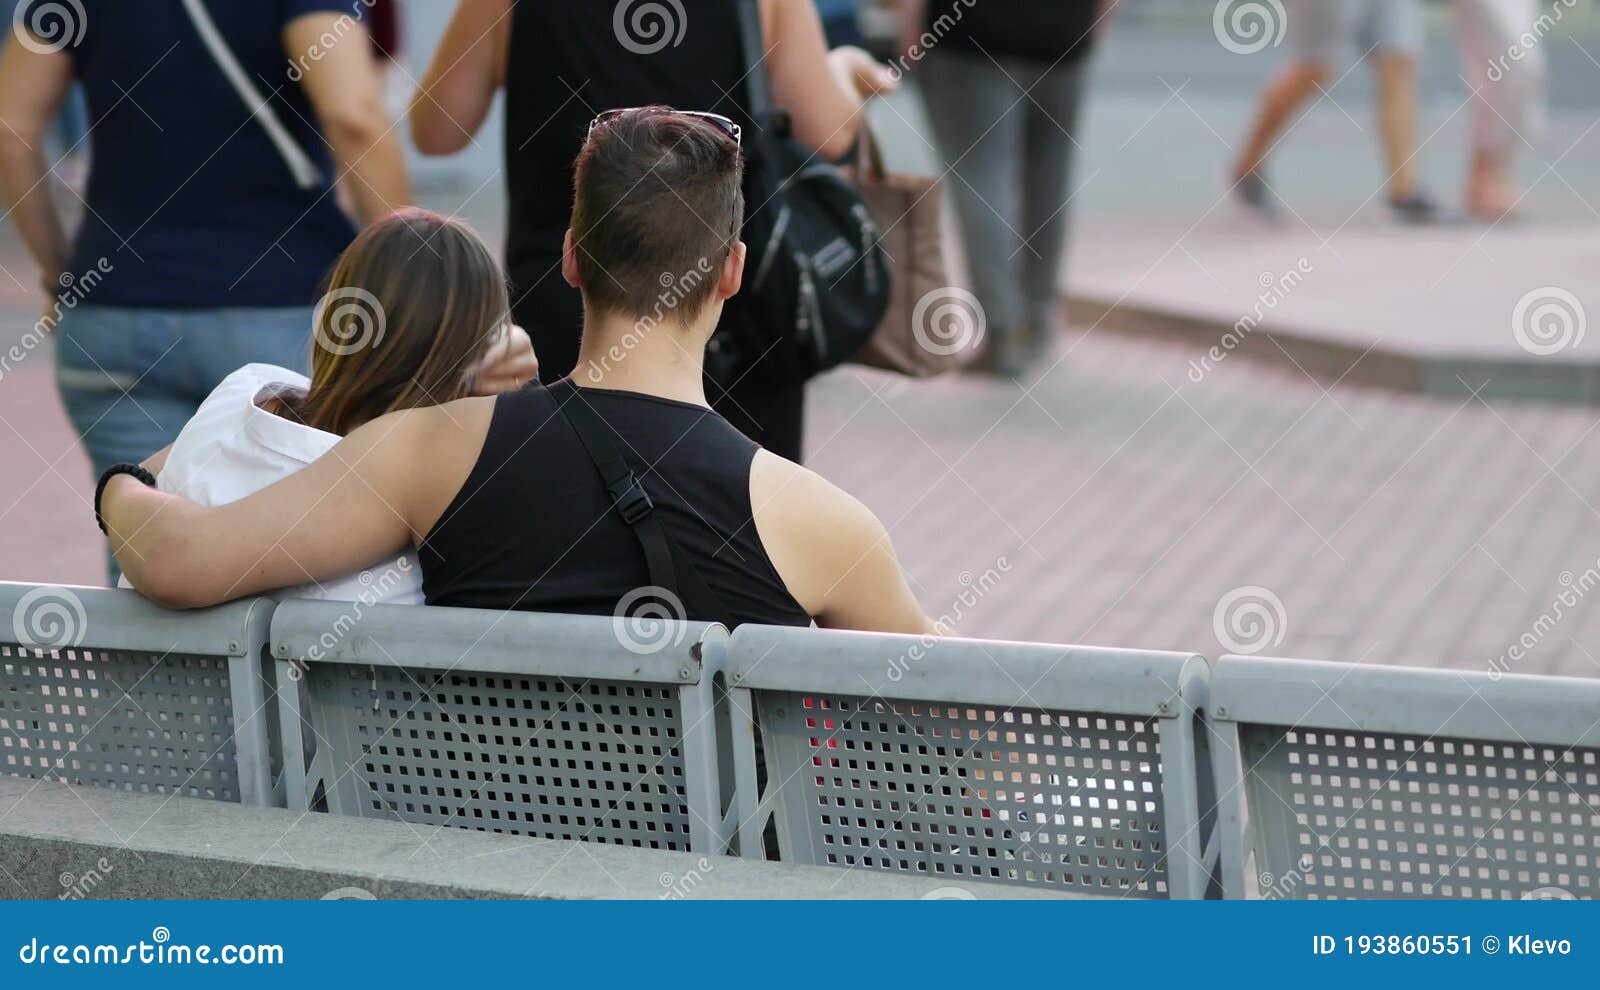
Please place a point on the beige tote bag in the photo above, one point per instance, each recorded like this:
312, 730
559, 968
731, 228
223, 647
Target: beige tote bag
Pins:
933, 324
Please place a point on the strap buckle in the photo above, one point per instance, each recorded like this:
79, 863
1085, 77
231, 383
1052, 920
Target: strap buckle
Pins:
630, 499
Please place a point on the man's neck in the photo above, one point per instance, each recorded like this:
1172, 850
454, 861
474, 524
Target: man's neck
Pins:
662, 359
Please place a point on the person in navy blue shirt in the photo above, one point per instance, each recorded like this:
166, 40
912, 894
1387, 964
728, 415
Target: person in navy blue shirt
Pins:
204, 235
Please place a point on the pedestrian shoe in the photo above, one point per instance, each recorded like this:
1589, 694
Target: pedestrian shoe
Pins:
1414, 208
1252, 192
1007, 353
1040, 345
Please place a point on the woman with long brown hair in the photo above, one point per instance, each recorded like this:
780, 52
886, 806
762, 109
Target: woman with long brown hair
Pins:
416, 314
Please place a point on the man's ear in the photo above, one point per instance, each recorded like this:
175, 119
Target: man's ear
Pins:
732, 276
569, 261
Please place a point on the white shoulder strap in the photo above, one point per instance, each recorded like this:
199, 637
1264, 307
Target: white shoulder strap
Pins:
305, 172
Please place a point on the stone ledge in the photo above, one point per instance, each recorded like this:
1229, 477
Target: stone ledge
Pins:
1329, 359
61, 841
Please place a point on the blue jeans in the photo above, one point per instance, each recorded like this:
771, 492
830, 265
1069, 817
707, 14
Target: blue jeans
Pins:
131, 378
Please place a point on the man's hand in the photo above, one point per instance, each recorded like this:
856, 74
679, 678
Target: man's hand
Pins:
860, 73
509, 365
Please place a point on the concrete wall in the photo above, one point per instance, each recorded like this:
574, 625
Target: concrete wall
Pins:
59, 841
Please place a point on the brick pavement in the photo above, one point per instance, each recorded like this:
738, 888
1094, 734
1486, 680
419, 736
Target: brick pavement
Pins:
1128, 501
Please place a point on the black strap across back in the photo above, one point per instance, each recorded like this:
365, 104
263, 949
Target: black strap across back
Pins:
671, 570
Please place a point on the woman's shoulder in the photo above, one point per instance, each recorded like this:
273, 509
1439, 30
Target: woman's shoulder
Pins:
240, 388
231, 444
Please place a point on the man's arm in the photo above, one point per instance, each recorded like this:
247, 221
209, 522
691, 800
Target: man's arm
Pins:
346, 92
468, 68
833, 554
33, 85
361, 502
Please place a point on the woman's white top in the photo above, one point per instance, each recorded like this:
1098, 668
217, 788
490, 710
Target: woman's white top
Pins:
232, 448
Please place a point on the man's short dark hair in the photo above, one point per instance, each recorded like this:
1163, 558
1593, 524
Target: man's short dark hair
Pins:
657, 206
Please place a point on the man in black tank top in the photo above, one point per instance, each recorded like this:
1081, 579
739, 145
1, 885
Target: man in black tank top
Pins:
503, 496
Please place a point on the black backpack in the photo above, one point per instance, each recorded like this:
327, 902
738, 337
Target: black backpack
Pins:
816, 277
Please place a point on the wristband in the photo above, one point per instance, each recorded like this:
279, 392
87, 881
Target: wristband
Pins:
105, 479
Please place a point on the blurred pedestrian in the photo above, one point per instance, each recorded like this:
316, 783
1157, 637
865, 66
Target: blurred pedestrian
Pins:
67, 145
1389, 34
1003, 83
560, 64
1503, 61
210, 216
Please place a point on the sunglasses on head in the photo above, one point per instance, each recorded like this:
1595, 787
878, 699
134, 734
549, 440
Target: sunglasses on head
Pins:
717, 120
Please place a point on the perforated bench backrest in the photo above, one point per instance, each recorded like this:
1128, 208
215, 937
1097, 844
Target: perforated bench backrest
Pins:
1058, 767
100, 687
564, 727
1365, 781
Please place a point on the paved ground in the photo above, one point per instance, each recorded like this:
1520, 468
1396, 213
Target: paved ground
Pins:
1116, 500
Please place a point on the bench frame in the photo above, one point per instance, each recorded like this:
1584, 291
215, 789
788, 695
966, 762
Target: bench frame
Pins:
1167, 687
124, 621
570, 647
1562, 712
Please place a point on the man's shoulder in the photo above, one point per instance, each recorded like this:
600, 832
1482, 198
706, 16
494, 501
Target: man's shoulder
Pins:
795, 500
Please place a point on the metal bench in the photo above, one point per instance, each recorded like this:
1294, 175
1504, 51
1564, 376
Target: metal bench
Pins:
559, 726
1060, 767
1358, 781
100, 687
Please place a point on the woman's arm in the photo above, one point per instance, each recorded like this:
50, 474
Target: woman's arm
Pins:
364, 500
468, 68
346, 92
825, 117
33, 85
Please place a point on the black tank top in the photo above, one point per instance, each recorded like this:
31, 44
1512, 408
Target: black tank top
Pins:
568, 61
533, 529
